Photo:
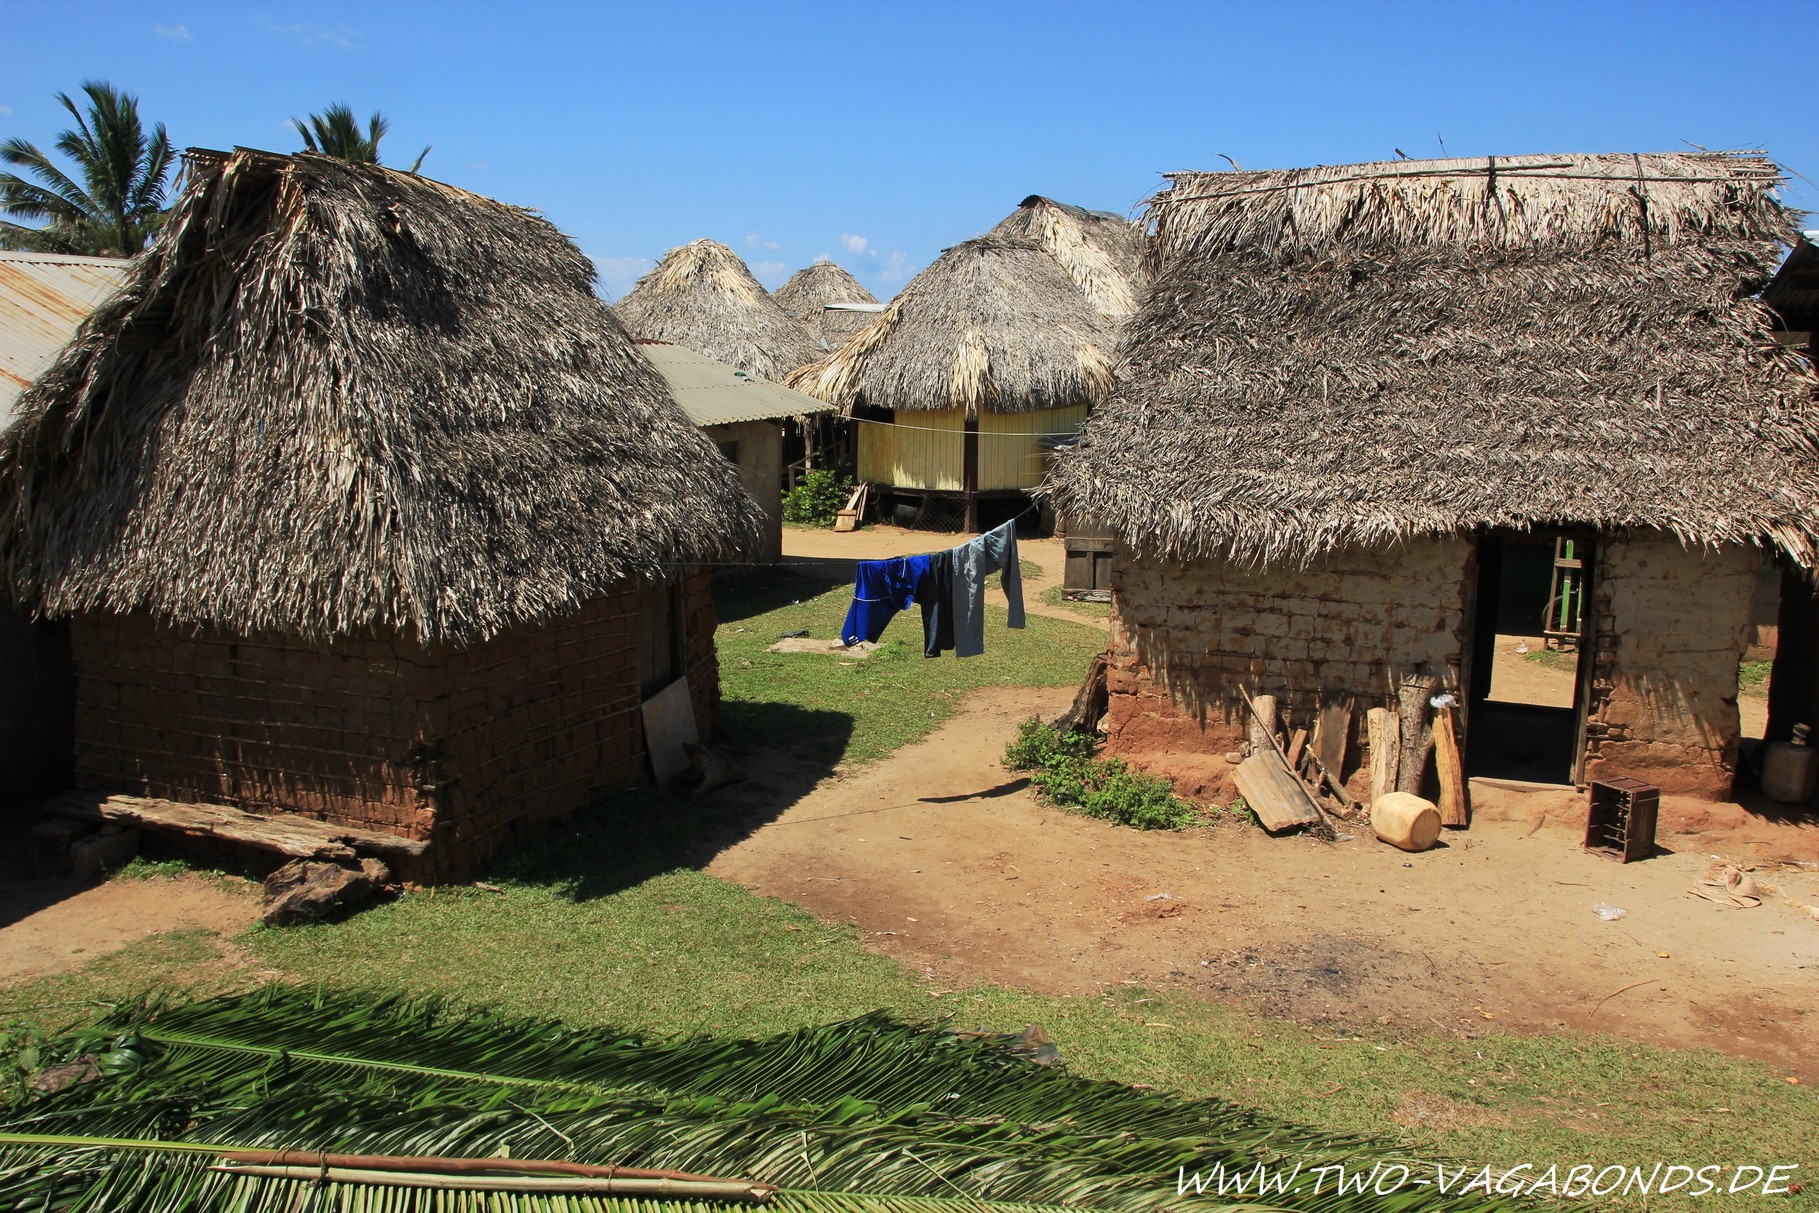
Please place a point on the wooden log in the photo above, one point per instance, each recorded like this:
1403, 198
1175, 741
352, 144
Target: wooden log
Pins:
1090, 701
1380, 724
1405, 821
1295, 744
1332, 728
1272, 792
1417, 733
287, 834
1455, 797
1263, 725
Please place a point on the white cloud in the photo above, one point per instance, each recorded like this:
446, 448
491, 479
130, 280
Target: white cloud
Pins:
896, 268
314, 33
770, 273
5, 110
854, 244
754, 240
174, 33
618, 275
820, 257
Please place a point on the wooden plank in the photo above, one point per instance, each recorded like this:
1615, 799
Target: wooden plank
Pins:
1295, 742
288, 834
1331, 728
1276, 796
1385, 739
669, 727
1455, 804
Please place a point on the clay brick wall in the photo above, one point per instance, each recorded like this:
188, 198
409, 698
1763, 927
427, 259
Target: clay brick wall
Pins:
1185, 637
465, 747
1672, 625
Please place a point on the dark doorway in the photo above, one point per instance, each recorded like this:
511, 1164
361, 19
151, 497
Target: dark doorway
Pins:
1529, 658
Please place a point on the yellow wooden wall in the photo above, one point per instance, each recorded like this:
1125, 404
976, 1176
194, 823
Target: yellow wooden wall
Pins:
925, 451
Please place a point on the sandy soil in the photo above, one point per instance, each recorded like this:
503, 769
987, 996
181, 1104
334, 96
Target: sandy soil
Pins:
48, 926
948, 863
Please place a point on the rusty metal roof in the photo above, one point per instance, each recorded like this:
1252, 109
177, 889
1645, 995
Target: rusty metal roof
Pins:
43, 299
712, 393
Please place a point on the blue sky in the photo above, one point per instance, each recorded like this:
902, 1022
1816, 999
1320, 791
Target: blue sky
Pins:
880, 133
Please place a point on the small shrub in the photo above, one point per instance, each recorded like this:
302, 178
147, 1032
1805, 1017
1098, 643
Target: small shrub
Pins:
816, 501
1065, 771
1753, 675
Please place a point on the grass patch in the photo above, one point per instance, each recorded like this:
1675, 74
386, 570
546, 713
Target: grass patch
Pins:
1553, 659
1062, 766
1753, 676
1095, 610
835, 708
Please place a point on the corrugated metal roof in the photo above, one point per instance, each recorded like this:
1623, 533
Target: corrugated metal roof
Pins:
712, 393
43, 300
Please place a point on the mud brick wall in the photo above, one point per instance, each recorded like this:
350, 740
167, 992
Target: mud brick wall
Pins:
37, 708
1185, 637
465, 747
259, 722
1671, 627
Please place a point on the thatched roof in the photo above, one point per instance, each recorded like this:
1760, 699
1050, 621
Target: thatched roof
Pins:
701, 295
993, 325
1102, 252
335, 397
811, 289
1360, 354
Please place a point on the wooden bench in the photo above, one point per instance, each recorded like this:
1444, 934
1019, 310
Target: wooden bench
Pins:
288, 834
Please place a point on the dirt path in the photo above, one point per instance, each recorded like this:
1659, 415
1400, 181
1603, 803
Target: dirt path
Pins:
824, 551
948, 865
49, 926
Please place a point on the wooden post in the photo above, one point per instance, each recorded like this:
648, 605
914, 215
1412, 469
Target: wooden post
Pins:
1386, 744
1417, 734
969, 474
1263, 724
1455, 802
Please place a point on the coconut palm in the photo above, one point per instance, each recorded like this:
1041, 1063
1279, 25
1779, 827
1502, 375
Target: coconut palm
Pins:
336, 132
114, 201
290, 1099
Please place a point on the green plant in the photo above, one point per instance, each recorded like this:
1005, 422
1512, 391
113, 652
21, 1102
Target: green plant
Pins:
816, 501
1752, 676
1066, 772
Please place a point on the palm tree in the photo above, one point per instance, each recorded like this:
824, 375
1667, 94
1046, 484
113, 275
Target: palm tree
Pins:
335, 132
119, 202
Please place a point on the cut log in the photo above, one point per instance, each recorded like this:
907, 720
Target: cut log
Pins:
1417, 733
285, 833
1455, 798
1405, 821
1263, 725
1331, 730
307, 891
1380, 724
1090, 701
1279, 799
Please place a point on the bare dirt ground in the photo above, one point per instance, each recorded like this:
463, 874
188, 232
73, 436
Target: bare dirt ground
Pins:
48, 926
945, 861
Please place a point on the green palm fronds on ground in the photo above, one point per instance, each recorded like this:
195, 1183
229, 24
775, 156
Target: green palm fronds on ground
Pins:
868, 1116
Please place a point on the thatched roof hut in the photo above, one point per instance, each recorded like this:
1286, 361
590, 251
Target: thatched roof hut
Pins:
335, 397
701, 295
994, 325
1364, 353
1102, 252
364, 506
813, 295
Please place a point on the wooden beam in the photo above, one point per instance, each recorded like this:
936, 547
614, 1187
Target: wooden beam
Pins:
288, 834
969, 474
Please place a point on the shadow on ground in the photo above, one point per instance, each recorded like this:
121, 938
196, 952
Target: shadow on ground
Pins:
780, 752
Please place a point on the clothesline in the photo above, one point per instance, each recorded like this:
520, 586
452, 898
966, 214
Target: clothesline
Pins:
936, 429
949, 586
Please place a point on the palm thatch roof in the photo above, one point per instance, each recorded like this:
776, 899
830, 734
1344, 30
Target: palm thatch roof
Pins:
1360, 354
1102, 252
335, 397
994, 325
701, 295
810, 291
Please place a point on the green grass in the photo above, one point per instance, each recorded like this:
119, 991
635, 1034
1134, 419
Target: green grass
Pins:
1752, 677
1553, 659
611, 922
1095, 610
840, 708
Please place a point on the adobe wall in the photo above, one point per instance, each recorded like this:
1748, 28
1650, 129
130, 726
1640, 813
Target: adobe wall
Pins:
1672, 625
464, 747
1185, 637
760, 475
37, 708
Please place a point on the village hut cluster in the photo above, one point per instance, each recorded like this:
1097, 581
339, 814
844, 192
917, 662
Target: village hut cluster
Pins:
354, 506
1352, 392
